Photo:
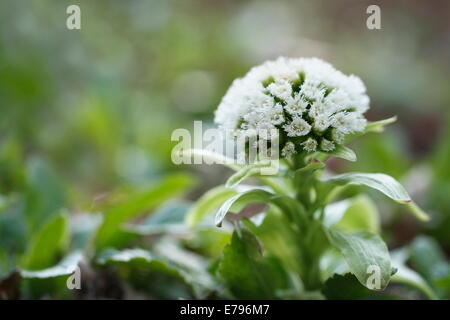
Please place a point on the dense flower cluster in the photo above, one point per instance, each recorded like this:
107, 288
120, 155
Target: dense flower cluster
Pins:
312, 105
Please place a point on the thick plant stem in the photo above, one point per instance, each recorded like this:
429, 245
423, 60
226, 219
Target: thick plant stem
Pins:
304, 185
311, 259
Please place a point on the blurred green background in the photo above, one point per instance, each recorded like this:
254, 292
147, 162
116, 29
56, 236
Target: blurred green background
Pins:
86, 115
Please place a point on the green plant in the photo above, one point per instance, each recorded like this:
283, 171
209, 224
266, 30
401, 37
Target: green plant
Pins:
302, 238
301, 233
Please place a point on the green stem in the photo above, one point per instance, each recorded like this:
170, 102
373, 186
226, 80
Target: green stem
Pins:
305, 185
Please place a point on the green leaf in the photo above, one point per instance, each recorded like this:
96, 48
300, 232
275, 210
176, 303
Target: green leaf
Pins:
244, 173
208, 241
7, 263
417, 211
279, 238
430, 261
409, 277
168, 219
83, 227
311, 166
138, 258
362, 214
333, 212
366, 255
146, 260
405, 275
383, 183
194, 265
356, 214
343, 152
247, 273
142, 202
48, 244
332, 263
293, 209
45, 194
13, 226
209, 202
429, 258
66, 267
239, 201
378, 126
346, 287
379, 181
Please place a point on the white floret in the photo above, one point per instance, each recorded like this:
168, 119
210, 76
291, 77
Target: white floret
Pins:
297, 127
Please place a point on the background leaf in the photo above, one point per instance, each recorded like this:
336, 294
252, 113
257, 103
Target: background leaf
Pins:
406, 275
48, 244
136, 260
138, 204
168, 219
430, 261
45, 195
65, 267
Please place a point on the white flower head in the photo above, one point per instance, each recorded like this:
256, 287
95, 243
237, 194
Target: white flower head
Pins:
311, 104
288, 149
296, 105
309, 145
337, 136
321, 122
275, 115
297, 127
280, 89
326, 145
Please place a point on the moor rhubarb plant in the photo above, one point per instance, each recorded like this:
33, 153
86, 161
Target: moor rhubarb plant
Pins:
307, 230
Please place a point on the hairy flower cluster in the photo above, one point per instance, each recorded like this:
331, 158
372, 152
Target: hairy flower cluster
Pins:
313, 105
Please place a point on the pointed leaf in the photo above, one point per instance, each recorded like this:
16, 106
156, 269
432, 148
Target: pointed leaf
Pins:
383, 183
311, 166
209, 202
246, 172
343, 152
239, 201
366, 255
378, 126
